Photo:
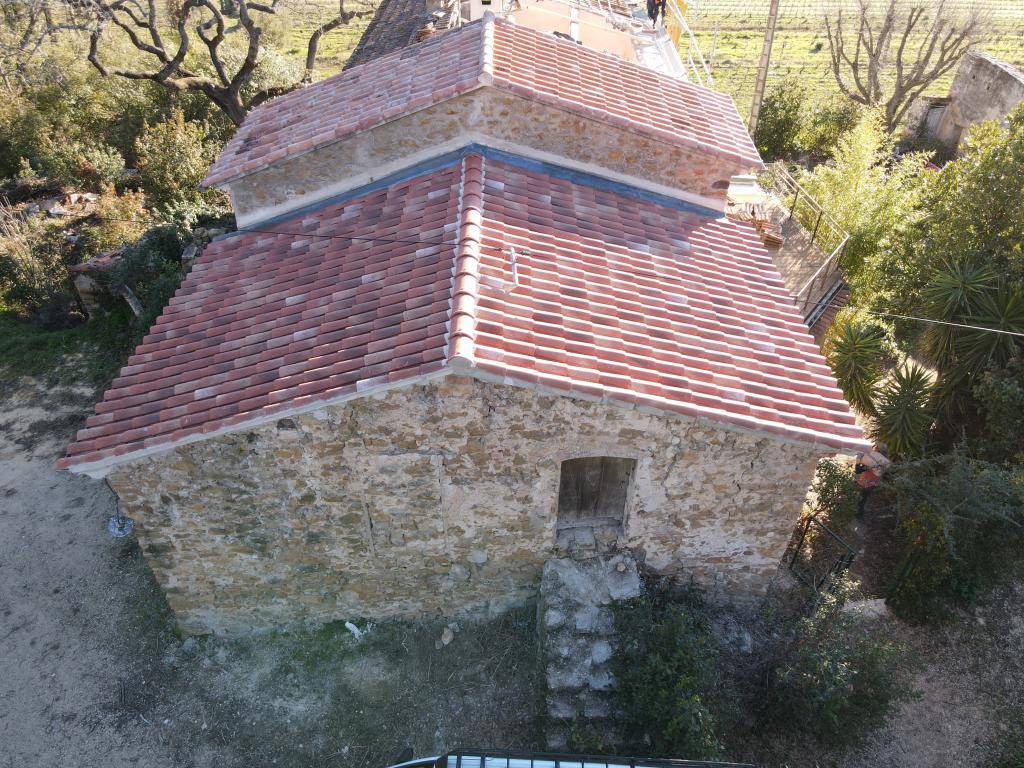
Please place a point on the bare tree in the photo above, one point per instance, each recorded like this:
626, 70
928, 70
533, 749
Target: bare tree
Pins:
179, 64
24, 28
887, 53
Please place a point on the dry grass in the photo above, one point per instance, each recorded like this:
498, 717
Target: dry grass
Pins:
734, 31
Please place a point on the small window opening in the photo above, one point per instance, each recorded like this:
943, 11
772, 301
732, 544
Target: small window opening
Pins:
592, 495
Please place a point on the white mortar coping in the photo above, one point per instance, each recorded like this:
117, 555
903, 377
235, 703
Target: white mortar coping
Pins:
459, 367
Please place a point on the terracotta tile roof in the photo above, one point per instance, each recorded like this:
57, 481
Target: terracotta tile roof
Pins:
311, 308
394, 25
636, 301
494, 52
621, 295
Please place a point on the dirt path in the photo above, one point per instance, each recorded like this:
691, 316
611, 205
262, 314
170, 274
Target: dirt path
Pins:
63, 587
972, 691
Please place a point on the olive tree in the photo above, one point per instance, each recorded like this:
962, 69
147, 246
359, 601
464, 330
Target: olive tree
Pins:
191, 46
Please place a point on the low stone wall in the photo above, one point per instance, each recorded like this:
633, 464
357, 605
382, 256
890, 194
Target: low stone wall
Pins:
442, 498
495, 118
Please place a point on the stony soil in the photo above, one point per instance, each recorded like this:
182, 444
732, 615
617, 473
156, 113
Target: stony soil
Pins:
92, 672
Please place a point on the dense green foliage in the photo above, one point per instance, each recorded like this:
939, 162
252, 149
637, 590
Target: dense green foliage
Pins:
665, 667
778, 123
836, 492
874, 198
173, 157
960, 519
833, 677
999, 395
790, 123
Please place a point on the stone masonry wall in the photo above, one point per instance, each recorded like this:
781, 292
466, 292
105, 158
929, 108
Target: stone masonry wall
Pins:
442, 498
984, 88
485, 112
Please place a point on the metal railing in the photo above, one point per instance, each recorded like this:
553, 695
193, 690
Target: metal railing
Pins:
697, 68
509, 759
825, 232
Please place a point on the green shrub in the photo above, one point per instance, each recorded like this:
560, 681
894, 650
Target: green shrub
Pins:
873, 197
78, 164
999, 394
173, 157
960, 521
665, 667
836, 492
116, 221
856, 349
824, 124
833, 678
903, 413
779, 121
34, 281
151, 269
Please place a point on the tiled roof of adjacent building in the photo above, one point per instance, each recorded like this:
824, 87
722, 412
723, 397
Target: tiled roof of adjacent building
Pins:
533, 64
616, 294
394, 25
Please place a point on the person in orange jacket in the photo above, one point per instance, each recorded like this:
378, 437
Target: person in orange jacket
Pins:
870, 467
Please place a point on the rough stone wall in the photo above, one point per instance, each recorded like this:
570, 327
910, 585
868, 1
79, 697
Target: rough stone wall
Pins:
486, 112
984, 88
442, 498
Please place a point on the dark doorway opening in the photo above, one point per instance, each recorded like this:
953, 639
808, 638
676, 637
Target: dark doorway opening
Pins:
592, 496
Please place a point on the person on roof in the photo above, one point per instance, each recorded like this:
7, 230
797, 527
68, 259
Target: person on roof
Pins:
655, 8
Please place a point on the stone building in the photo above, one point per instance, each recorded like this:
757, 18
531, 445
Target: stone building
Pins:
483, 307
984, 88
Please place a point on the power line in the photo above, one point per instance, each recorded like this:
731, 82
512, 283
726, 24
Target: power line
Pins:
837, 305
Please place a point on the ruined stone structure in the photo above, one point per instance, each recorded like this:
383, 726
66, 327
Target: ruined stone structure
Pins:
984, 88
484, 310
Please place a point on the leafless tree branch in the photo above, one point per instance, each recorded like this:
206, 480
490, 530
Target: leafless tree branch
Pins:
899, 48
223, 82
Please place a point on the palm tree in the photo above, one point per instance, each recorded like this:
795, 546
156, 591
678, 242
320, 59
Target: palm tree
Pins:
903, 411
855, 350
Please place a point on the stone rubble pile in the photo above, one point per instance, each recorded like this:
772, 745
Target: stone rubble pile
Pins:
577, 628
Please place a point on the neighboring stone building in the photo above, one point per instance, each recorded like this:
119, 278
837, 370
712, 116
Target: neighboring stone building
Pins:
484, 308
984, 88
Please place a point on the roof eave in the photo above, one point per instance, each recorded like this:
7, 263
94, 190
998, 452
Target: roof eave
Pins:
101, 466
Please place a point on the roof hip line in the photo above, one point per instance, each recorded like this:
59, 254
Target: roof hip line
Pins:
466, 281
487, 50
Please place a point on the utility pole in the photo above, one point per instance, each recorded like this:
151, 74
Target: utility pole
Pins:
762, 66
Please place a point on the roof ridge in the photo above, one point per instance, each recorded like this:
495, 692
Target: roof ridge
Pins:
466, 278
487, 49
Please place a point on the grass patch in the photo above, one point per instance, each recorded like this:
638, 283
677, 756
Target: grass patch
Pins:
735, 31
89, 353
320, 696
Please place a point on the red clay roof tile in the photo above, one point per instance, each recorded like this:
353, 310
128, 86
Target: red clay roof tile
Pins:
630, 299
497, 52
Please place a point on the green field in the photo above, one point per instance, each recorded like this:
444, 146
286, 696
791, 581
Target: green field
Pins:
731, 33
